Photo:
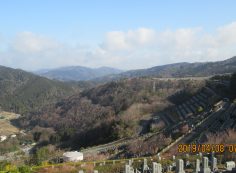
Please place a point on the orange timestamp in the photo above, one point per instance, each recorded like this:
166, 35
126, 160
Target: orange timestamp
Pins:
206, 148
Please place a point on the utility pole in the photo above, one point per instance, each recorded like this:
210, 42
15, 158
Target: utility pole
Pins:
154, 86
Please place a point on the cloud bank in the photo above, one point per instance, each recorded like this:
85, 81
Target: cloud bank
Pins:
132, 49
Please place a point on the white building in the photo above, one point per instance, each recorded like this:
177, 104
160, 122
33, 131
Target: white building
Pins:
73, 156
3, 138
13, 136
230, 165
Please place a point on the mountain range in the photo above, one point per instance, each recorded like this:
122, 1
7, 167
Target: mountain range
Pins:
184, 69
21, 91
104, 74
77, 73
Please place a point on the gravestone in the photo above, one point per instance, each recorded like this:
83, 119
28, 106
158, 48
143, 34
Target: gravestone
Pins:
169, 168
156, 167
205, 167
145, 165
159, 168
229, 165
130, 162
197, 168
131, 170
180, 166
214, 164
127, 169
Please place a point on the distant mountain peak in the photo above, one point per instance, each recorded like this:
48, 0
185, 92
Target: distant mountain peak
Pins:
181, 69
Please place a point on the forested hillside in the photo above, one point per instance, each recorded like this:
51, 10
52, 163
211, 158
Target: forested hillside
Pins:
107, 112
23, 92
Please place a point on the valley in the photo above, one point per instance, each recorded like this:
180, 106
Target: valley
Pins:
117, 86
131, 117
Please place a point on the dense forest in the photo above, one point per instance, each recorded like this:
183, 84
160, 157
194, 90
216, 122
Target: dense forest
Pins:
24, 92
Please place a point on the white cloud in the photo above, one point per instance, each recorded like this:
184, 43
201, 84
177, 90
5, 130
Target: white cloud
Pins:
169, 46
227, 34
119, 40
28, 42
139, 48
115, 40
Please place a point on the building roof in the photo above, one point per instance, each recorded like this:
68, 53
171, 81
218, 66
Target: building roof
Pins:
73, 154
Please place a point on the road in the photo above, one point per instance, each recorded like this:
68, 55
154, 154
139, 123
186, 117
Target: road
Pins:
125, 141
184, 78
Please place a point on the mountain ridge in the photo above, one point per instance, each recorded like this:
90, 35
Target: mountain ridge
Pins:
77, 73
22, 91
182, 69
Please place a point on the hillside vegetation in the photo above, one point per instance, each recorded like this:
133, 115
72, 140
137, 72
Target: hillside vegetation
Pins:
103, 114
23, 92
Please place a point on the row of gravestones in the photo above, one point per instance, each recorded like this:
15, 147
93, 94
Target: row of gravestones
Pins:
179, 164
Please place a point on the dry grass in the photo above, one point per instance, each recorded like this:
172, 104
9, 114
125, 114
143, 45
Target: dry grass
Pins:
96, 156
142, 111
134, 113
225, 137
61, 169
6, 128
67, 169
8, 115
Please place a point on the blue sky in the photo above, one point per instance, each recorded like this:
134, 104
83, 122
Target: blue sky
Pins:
104, 32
